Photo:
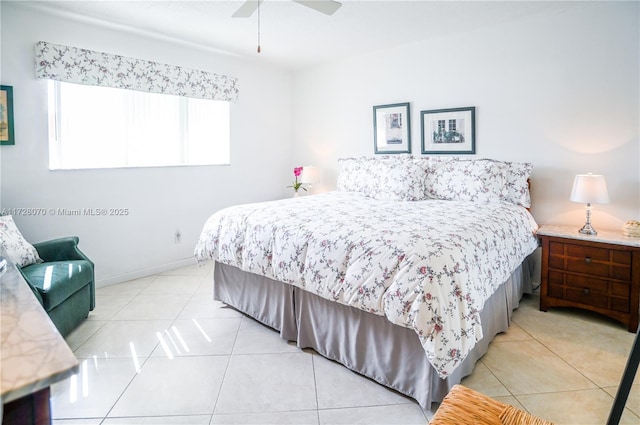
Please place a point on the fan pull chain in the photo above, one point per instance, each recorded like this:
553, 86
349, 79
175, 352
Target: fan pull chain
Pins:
259, 26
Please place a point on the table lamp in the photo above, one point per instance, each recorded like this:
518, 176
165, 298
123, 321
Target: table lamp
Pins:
589, 189
309, 175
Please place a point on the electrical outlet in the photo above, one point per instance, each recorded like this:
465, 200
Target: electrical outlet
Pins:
178, 236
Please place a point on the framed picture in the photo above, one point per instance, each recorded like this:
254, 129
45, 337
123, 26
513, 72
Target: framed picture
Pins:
392, 128
450, 131
6, 115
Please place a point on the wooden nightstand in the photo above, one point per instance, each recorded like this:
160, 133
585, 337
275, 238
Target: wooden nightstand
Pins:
599, 273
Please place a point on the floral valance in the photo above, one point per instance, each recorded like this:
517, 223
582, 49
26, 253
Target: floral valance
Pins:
75, 65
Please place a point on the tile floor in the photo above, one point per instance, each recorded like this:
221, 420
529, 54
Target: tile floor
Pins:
160, 351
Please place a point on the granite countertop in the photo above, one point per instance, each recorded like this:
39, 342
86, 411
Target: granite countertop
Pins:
604, 236
33, 353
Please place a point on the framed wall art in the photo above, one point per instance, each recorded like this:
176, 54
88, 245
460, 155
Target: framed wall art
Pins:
6, 115
392, 128
449, 131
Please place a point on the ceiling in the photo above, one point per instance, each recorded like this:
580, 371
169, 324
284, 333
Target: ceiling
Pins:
294, 36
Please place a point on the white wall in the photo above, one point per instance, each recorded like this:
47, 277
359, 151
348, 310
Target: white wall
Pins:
559, 90
160, 200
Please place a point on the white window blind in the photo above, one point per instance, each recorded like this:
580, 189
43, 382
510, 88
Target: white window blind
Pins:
104, 127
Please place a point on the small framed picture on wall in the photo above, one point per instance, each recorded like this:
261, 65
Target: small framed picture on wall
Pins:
392, 128
6, 115
449, 131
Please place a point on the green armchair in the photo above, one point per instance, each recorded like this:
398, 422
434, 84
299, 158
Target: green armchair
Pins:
64, 283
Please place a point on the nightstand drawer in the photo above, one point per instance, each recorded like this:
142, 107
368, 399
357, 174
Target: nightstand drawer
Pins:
593, 291
584, 296
591, 283
594, 261
595, 299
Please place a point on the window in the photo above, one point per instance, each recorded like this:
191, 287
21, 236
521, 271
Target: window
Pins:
104, 127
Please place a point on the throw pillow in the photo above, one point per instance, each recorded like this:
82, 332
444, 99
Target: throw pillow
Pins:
20, 252
478, 180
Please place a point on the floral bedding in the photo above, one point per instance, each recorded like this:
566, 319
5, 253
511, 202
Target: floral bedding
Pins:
427, 265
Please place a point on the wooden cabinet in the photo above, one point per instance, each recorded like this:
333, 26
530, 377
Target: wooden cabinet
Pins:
599, 273
32, 409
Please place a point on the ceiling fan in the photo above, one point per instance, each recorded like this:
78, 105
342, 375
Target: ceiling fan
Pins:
328, 7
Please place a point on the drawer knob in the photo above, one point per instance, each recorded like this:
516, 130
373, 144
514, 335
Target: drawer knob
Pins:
585, 291
587, 260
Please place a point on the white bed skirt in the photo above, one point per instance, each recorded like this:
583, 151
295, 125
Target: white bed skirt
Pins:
363, 342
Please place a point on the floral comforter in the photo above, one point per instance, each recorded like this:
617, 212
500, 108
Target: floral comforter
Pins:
426, 265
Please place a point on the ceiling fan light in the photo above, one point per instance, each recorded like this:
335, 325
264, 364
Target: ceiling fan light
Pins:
246, 9
328, 7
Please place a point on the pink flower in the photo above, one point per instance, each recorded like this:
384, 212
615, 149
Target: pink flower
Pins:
297, 171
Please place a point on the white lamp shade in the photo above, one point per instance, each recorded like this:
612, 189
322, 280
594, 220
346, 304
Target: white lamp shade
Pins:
309, 174
589, 189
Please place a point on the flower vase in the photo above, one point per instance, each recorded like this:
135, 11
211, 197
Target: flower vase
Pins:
296, 194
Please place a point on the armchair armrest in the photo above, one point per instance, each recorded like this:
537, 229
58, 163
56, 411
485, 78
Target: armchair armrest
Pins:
61, 249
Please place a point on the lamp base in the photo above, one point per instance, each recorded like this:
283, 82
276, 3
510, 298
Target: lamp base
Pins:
587, 229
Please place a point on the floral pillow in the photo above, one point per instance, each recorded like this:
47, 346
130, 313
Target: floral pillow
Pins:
400, 180
431, 163
383, 177
518, 174
20, 252
354, 175
479, 180
362, 174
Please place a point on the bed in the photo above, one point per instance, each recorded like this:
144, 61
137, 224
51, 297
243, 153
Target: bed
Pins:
404, 274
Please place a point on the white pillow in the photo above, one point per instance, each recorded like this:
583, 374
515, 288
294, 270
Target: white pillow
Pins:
20, 252
480, 180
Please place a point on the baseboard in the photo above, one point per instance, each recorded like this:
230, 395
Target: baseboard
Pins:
137, 274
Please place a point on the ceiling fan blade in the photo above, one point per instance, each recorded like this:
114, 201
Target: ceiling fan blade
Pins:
328, 7
247, 9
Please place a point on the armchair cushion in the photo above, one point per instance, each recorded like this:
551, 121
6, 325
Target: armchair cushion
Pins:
66, 249
55, 281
